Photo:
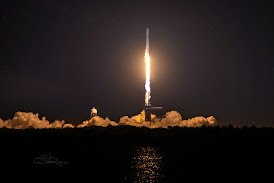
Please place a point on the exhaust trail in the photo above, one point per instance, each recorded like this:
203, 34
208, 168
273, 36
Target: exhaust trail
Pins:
147, 83
147, 61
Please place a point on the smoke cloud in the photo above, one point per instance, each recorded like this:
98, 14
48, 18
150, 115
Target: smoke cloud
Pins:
173, 118
97, 121
68, 125
23, 120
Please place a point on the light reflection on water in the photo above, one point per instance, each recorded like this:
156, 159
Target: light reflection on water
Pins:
146, 165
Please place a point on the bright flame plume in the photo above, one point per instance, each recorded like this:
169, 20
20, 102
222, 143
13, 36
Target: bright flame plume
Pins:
147, 84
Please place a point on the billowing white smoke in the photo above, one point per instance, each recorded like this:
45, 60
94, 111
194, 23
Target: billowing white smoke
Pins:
97, 121
67, 125
173, 118
23, 120
138, 120
199, 121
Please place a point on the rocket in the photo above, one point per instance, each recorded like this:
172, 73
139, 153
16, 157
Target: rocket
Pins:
148, 107
147, 61
147, 85
147, 40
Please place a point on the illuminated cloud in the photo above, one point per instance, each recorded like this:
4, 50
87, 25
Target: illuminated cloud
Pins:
173, 118
97, 121
199, 121
138, 120
67, 125
23, 120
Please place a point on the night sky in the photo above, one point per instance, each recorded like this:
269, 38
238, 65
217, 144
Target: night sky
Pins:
61, 58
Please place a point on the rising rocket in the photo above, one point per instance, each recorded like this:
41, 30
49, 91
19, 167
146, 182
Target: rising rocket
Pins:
147, 61
147, 83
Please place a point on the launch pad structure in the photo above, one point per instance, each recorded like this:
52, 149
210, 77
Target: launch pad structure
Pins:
148, 112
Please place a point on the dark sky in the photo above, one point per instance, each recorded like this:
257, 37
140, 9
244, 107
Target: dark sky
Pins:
61, 58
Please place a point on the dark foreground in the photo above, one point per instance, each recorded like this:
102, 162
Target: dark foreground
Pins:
129, 154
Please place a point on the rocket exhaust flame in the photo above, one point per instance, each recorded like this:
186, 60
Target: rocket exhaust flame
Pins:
147, 61
147, 84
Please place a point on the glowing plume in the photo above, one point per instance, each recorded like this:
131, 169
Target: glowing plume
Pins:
147, 61
147, 84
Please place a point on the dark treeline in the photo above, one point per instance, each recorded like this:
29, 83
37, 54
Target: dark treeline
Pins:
208, 154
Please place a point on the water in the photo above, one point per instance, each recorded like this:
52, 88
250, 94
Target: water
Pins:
193, 155
146, 165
